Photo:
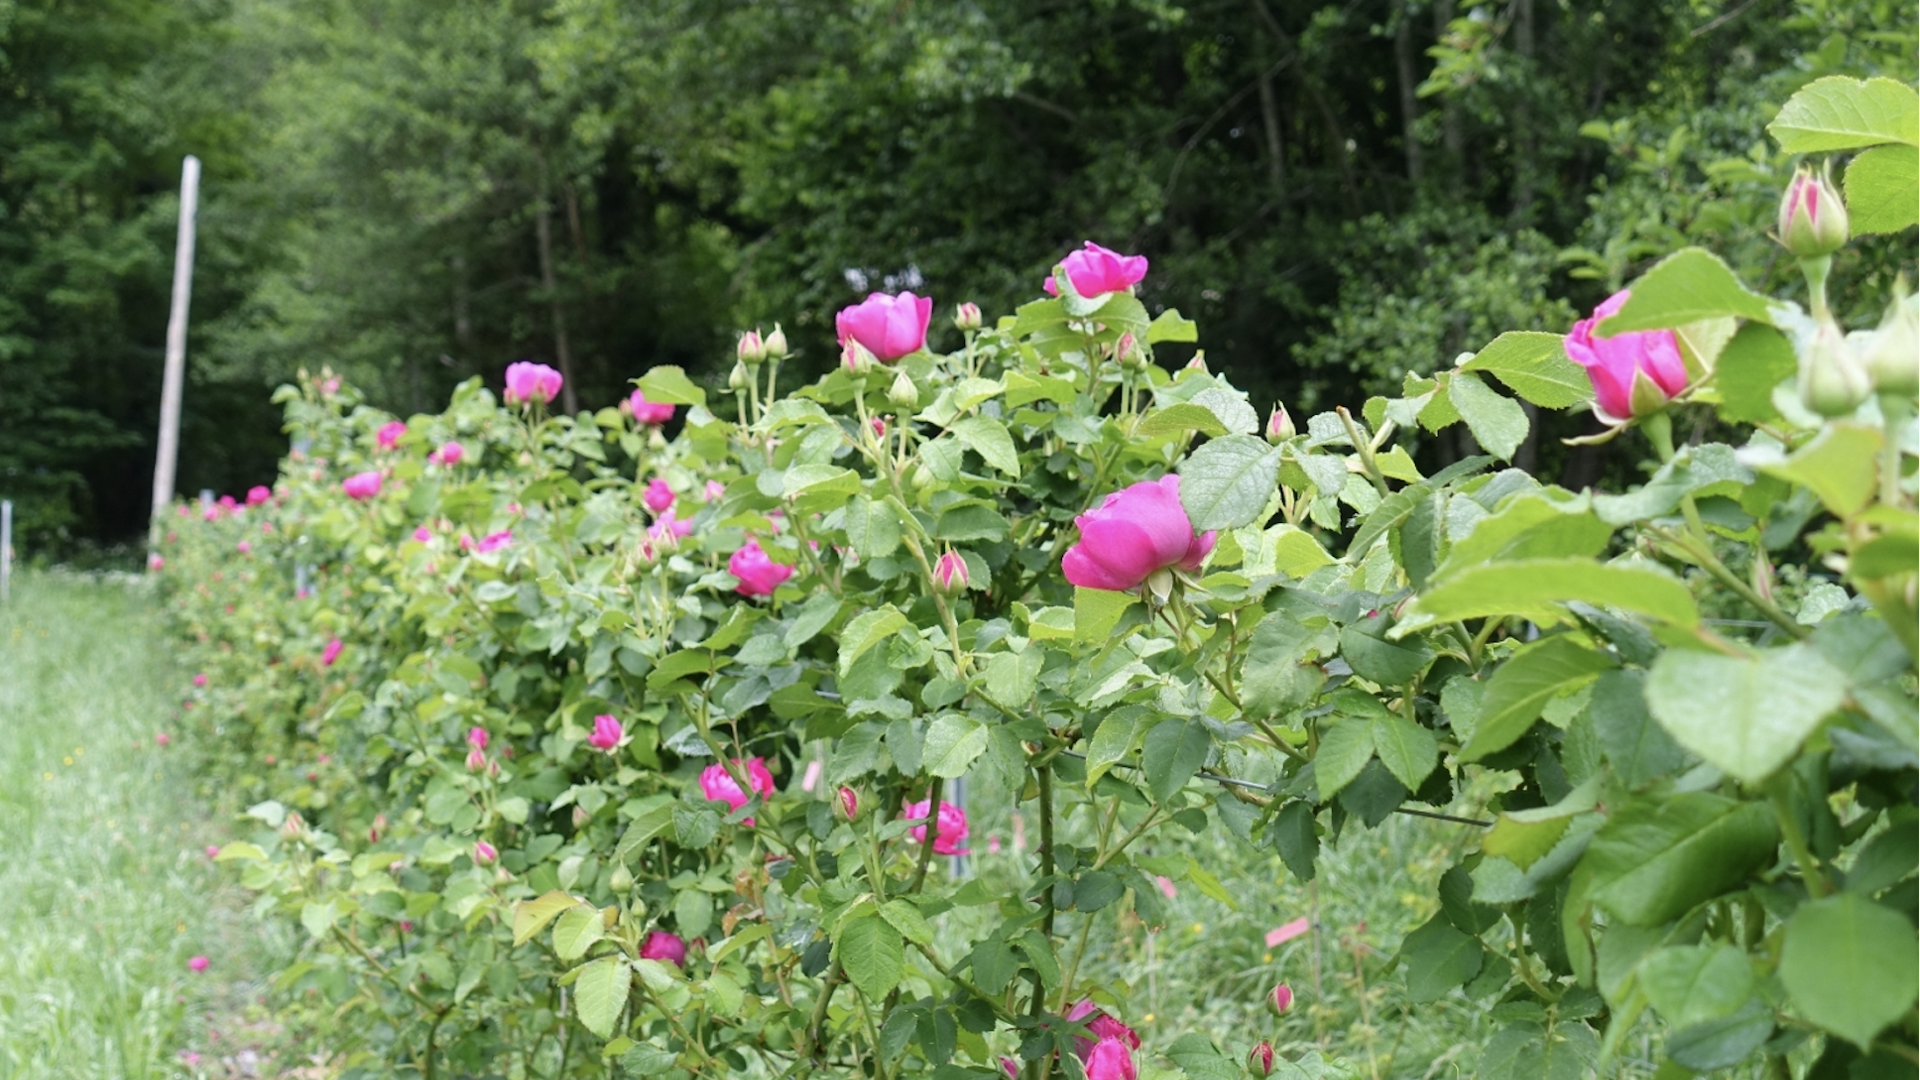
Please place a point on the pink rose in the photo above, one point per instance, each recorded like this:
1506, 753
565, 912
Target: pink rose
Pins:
155, 562
1095, 270
758, 574
527, 381
484, 853
423, 534
244, 547
1634, 373
228, 503
198, 964
1133, 533
714, 489
949, 831
1101, 1026
213, 851
849, 801
200, 679
258, 494
477, 738
389, 434
648, 412
661, 945
331, 652
162, 738
1280, 999
658, 497
889, 327
361, 486
718, 785
1110, 1059
495, 541
607, 733
476, 760
670, 526
1260, 1058
448, 454
950, 574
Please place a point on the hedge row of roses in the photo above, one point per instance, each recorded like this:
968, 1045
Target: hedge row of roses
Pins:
583, 745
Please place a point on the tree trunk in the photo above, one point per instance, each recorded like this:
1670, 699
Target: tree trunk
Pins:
543, 233
1409, 101
1450, 136
1526, 143
462, 316
1270, 120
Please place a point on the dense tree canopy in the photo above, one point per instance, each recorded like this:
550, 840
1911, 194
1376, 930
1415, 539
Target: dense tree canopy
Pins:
415, 191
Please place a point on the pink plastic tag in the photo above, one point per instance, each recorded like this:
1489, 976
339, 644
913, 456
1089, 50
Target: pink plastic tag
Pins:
812, 776
1280, 935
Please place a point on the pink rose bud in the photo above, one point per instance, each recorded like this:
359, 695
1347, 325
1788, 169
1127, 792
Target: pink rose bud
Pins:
477, 738
389, 434
377, 829
1110, 1059
1260, 1059
331, 652
1634, 373
661, 945
228, 503
847, 803
1011, 1067
855, 357
258, 494
1280, 999
423, 534
528, 382
406, 926
163, 739
200, 679
198, 964
950, 574
670, 529
607, 733
758, 574
950, 831
1813, 219
213, 851
1094, 270
361, 486
476, 760
1132, 534
495, 541
243, 547
581, 816
1833, 378
294, 827
449, 454
966, 317
484, 853
1279, 425
888, 327
879, 426
155, 562
330, 387
751, 350
718, 785
714, 489
658, 497
648, 412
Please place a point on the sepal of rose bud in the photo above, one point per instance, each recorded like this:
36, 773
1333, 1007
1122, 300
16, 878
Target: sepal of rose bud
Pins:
846, 805
1280, 999
621, 881
484, 854
751, 350
1893, 354
737, 379
776, 343
1260, 1058
1813, 219
950, 574
1833, 381
903, 393
1199, 363
966, 316
1280, 425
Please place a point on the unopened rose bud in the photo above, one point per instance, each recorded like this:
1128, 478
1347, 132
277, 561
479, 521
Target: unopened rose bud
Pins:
581, 817
738, 378
1199, 363
1279, 425
621, 880
1260, 1059
1813, 219
920, 478
1893, 354
294, 828
1129, 352
751, 350
378, 829
484, 853
966, 317
903, 393
846, 804
777, 343
1833, 381
879, 427
950, 574
1280, 999
476, 760
857, 357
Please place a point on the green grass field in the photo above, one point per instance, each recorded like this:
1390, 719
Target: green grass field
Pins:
105, 889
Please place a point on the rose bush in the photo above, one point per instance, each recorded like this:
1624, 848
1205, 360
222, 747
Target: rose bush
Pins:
596, 792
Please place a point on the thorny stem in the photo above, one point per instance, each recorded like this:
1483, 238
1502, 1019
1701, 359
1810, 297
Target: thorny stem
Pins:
1524, 963
932, 829
1778, 795
1365, 450
1700, 550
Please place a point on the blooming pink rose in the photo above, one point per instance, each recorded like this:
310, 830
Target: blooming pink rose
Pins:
1110, 1059
949, 832
718, 785
423, 534
448, 454
670, 526
1633, 374
658, 497
211, 513
607, 733
389, 434
228, 503
1101, 1026
1095, 270
495, 541
200, 679
258, 494
648, 412
198, 964
889, 327
361, 486
758, 574
527, 381
331, 652
155, 562
1133, 533
244, 547
714, 489
661, 945
484, 853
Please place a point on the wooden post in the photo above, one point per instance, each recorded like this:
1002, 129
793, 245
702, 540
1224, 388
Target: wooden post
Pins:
6, 549
168, 450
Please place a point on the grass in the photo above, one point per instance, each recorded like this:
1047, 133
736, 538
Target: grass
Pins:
105, 889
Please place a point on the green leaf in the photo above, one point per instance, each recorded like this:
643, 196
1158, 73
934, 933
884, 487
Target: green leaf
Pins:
1387, 663
1745, 714
1180, 417
819, 479
318, 916
952, 742
1201, 1060
1294, 838
1839, 465
1685, 287
1712, 1045
1530, 526
652, 816
1693, 469
579, 927
988, 438
530, 916
1758, 359
1849, 965
1116, 737
1522, 686
600, 992
1528, 586
871, 526
1535, 366
1438, 958
1407, 750
1096, 889
1345, 748
867, 629
1096, 612
907, 919
1689, 984
1010, 678
1838, 113
1498, 423
1227, 482
1881, 186
669, 385
1170, 325
873, 954
1230, 408
1639, 750
1173, 751
1655, 860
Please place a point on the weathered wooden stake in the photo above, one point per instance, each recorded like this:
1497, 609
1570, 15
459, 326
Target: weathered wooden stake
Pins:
168, 450
6, 549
